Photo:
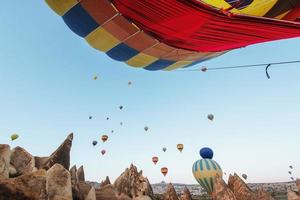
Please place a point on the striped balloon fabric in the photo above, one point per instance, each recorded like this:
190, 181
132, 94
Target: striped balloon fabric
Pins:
205, 171
106, 29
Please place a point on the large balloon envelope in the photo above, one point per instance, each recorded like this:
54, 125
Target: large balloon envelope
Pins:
205, 171
188, 32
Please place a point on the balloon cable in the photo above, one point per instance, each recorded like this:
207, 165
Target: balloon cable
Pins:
267, 65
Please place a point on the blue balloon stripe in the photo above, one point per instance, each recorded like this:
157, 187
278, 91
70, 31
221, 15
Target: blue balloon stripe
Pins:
213, 164
195, 166
207, 164
201, 165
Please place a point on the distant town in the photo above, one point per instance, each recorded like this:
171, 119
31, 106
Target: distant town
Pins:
195, 189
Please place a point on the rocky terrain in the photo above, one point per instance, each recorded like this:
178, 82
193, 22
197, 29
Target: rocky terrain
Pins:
27, 177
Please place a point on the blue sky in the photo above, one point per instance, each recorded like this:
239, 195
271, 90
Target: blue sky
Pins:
47, 91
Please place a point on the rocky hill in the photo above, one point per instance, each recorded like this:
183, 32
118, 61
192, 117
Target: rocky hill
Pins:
27, 177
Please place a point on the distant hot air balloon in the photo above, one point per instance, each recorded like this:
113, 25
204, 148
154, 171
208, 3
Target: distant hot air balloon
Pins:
180, 147
291, 167
90, 117
206, 170
164, 170
164, 149
107, 118
103, 152
129, 82
120, 107
14, 137
121, 123
104, 138
204, 69
112, 131
210, 117
290, 172
95, 77
95, 143
155, 159
146, 128
292, 178
245, 176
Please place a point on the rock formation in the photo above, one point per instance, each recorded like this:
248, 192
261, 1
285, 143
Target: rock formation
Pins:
60, 156
24, 177
221, 191
80, 174
26, 187
240, 188
170, 193
263, 195
106, 192
292, 195
59, 183
133, 184
4, 160
22, 161
105, 182
186, 194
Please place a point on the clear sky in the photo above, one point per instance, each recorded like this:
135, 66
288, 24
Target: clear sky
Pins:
47, 91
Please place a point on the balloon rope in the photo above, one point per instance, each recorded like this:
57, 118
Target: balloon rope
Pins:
243, 66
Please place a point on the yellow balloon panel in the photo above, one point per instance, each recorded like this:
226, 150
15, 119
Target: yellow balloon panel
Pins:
279, 8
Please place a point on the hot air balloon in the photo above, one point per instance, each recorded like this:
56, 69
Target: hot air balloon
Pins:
146, 128
95, 77
103, 152
164, 149
120, 107
245, 176
134, 31
180, 147
104, 138
164, 170
121, 123
129, 82
14, 137
107, 118
112, 131
95, 143
290, 172
155, 159
205, 171
90, 117
204, 69
291, 167
210, 117
292, 178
